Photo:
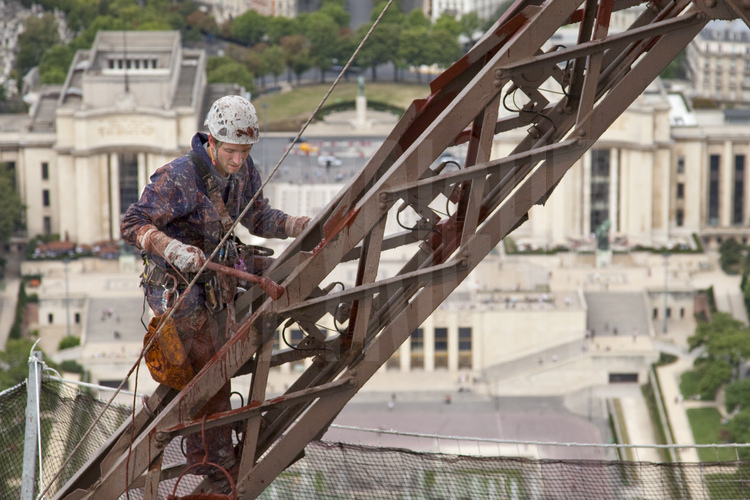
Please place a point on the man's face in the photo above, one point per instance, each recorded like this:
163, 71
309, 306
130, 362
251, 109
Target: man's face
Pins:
229, 158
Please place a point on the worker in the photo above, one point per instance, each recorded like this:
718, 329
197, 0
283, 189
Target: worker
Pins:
182, 215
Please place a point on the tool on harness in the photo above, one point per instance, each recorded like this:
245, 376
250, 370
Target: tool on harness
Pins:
169, 292
273, 289
213, 296
166, 358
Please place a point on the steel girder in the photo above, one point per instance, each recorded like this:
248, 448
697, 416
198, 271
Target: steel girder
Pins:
596, 79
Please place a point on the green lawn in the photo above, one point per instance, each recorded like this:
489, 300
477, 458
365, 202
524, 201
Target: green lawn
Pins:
706, 426
689, 383
286, 110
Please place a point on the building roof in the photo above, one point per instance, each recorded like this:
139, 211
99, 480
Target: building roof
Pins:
145, 69
726, 31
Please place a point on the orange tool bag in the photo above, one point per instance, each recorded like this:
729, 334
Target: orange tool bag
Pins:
166, 357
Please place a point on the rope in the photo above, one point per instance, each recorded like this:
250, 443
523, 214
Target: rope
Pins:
221, 243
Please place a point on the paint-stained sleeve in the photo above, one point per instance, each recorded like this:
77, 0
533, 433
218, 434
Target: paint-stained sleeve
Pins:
164, 199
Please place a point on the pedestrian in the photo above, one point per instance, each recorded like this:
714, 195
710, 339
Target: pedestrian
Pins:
184, 212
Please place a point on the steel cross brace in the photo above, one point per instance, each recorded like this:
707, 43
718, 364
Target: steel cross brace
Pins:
492, 197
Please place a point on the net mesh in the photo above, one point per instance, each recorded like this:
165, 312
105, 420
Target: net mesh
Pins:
65, 414
337, 470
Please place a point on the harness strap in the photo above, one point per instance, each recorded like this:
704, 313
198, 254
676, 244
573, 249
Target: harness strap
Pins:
212, 187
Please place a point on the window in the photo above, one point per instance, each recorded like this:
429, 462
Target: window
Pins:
600, 167
50, 319
441, 348
738, 212
441, 339
682, 313
45, 171
128, 180
680, 164
655, 314
713, 190
77, 318
417, 348
680, 191
464, 347
47, 223
680, 217
45, 197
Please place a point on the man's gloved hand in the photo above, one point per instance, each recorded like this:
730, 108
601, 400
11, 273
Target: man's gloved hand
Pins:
186, 258
295, 225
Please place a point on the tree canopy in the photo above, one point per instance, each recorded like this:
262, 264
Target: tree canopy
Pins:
11, 207
222, 69
39, 34
725, 340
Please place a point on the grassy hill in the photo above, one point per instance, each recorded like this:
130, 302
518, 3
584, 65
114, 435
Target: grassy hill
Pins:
286, 111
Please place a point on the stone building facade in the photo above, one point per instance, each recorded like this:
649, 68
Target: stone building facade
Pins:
719, 62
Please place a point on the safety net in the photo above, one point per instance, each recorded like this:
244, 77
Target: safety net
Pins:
338, 470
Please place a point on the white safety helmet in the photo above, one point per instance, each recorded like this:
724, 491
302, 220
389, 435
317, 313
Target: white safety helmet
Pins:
233, 119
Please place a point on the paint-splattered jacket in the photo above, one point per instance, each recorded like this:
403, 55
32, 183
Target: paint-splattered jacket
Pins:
176, 202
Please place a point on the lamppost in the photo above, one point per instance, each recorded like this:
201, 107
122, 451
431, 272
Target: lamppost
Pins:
67, 297
666, 278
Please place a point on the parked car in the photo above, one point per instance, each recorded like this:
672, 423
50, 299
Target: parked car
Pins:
304, 146
328, 161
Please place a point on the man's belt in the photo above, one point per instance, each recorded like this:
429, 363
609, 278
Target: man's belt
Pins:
157, 275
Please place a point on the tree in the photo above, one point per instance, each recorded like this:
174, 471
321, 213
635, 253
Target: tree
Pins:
222, 69
279, 27
11, 207
724, 339
470, 24
731, 255
323, 33
86, 38
416, 19
394, 15
445, 49
739, 429
16, 358
83, 12
40, 33
249, 28
381, 47
297, 49
413, 48
274, 61
448, 23
737, 395
336, 12
53, 68
202, 22
713, 374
